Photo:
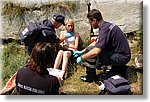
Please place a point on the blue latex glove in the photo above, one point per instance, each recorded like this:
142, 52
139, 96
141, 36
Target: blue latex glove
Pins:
79, 60
69, 34
77, 53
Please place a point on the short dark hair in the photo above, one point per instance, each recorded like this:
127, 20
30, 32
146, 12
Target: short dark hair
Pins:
42, 57
94, 13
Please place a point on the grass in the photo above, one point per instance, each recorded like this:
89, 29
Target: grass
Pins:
74, 86
14, 57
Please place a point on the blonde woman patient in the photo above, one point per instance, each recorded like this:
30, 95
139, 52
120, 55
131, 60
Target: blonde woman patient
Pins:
70, 43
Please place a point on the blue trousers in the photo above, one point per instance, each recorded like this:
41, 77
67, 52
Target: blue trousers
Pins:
107, 58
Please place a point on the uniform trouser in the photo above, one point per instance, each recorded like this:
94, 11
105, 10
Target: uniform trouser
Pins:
106, 58
118, 63
90, 67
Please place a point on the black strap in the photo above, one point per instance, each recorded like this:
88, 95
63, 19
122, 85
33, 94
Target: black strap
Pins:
42, 26
45, 27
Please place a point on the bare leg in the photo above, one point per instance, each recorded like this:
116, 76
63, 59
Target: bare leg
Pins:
58, 59
66, 56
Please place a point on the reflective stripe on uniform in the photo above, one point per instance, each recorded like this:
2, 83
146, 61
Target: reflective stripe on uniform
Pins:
89, 65
91, 60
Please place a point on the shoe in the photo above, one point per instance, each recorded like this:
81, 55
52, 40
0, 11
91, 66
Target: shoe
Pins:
103, 92
100, 85
105, 68
86, 79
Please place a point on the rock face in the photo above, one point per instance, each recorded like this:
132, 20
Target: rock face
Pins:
128, 15
16, 14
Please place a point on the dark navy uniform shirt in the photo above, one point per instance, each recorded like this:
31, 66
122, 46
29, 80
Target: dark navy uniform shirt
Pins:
29, 82
48, 35
111, 38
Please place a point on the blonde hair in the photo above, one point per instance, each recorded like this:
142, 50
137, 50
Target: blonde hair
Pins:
71, 22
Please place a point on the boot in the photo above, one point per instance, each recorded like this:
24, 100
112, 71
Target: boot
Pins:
90, 75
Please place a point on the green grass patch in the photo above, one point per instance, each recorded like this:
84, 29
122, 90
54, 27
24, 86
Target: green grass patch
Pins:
13, 58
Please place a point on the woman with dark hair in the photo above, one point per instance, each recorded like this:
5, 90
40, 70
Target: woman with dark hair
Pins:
34, 78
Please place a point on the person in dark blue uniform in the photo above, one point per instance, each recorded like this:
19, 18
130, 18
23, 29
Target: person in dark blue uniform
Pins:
49, 36
111, 47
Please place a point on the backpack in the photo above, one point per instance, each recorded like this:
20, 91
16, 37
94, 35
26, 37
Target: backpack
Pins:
117, 85
30, 34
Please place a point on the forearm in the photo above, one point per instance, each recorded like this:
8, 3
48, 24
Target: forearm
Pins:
62, 39
72, 46
87, 49
92, 44
92, 53
75, 45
